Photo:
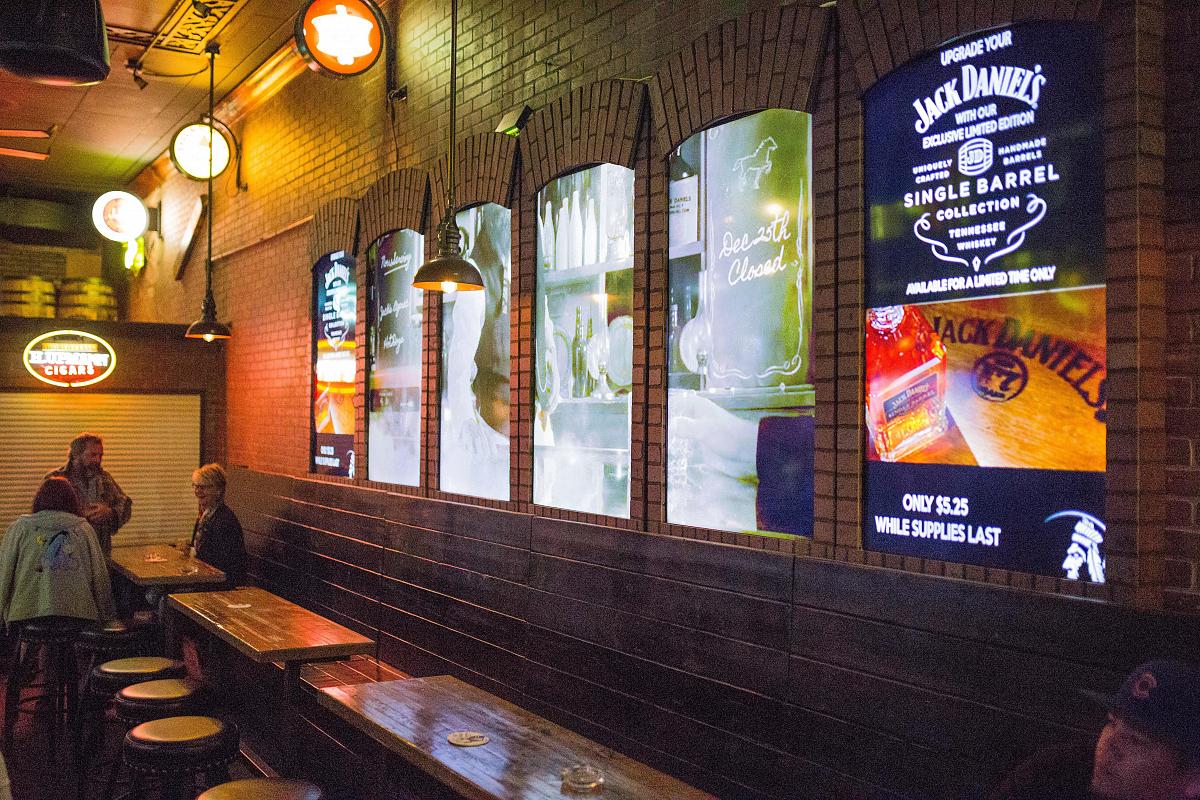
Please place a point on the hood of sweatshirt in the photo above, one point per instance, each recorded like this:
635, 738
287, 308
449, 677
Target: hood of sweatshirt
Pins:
56, 520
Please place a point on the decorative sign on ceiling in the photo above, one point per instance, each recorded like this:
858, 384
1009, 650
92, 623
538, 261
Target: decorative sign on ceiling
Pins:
340, 38
69, 358
120, 216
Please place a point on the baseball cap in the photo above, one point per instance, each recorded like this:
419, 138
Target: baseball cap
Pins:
1162, 698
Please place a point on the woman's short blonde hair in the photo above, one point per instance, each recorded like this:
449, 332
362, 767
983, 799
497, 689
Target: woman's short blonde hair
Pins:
211, 475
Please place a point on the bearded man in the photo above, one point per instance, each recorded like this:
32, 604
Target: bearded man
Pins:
105, 506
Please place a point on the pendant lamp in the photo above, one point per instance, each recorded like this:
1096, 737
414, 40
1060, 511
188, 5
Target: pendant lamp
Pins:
448, 271
207, 327
59, 42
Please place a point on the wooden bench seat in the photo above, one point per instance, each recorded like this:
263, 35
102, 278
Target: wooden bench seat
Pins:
348, 672
521, 758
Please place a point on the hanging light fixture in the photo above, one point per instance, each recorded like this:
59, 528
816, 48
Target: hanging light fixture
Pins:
448, 271
207, 327
58, 42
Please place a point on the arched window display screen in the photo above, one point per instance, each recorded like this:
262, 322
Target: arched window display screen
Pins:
985, 287
394, 381
584, 354
739, 327
335, 309
475, 361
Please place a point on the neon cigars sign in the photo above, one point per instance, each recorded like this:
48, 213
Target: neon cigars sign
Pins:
70, 359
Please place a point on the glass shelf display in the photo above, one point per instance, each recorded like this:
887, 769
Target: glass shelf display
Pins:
584, 341
740, 399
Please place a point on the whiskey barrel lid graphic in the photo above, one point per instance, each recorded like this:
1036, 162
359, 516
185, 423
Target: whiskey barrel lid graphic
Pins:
70, 359
760, 266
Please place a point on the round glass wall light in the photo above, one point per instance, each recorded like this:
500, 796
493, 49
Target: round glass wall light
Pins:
120, 216
189, 151
340, 38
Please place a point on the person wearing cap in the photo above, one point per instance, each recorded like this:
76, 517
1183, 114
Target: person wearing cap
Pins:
1149, 749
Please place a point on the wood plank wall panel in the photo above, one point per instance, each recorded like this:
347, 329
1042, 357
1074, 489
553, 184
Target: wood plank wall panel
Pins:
318, 556
751, 673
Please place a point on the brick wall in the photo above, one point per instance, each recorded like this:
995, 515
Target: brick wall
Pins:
754, 667
318, 139
1182, 234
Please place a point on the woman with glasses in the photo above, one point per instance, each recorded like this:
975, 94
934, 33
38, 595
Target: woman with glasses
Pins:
217, 536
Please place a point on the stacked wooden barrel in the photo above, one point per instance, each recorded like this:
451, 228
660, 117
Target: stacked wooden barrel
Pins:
86, 298
26, 296
77, 298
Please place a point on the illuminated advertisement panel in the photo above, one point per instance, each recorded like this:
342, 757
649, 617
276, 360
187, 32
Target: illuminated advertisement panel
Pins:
984, 334
584, 341
335, 310
475, 361
394, 359
739, 327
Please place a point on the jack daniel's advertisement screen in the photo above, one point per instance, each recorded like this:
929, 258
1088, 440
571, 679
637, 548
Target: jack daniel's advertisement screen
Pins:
739, 327
334, 315
394, 359
985, 325
475, 361
583, 368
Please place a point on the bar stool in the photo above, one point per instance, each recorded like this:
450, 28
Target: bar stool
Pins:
110, 641
143, 702
264, 789
54, 635
174, 751
103, 683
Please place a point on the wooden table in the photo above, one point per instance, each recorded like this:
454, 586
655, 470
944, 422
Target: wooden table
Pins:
523, 759
266, 628
167, 566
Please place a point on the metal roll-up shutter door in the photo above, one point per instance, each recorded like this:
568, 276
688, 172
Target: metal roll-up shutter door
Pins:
151, 446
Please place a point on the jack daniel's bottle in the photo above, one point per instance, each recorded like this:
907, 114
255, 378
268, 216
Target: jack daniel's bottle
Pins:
905, 381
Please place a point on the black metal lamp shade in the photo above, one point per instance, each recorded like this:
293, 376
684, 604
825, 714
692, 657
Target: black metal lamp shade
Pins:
448, 270
59, 42
208, 327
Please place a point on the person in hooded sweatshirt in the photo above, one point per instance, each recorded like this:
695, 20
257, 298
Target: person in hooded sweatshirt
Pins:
51, 564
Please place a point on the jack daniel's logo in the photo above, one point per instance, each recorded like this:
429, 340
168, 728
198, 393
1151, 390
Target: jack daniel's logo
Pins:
1064, 357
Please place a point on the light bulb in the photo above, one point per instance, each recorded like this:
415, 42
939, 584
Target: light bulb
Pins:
449, 286
208, 337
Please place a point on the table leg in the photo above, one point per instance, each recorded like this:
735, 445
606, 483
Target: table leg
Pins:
291, 692
169, 626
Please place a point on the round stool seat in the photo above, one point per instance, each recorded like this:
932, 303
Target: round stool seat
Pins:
168, 697
51, 630
112, 676
113, 636
264, 789
180, 744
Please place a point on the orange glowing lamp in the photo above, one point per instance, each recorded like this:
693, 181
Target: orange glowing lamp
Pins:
340, 38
